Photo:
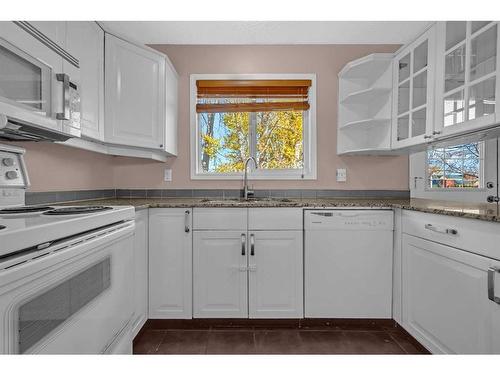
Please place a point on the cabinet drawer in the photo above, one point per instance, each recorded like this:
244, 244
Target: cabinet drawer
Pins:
275, 219
480, 237
220, 219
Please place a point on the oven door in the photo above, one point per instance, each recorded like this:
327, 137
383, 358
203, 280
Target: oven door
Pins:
74, 298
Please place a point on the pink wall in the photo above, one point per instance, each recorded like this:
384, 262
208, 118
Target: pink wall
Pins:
55, 167
324, 60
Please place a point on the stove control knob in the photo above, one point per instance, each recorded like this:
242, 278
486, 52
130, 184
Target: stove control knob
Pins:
8, 162
11, 175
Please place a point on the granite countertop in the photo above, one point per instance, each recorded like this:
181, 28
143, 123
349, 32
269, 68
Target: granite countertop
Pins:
480, 211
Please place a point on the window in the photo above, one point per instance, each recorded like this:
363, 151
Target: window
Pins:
270, 118
456, 167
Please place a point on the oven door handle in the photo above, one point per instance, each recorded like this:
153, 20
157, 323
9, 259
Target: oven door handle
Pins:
52, 247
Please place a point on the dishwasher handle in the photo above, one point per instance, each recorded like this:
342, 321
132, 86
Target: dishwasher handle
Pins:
337, 214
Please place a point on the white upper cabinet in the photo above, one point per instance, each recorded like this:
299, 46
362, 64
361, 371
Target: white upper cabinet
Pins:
364, 113
413, 92
54, 30
135, 95
171, 108
467, 76
444, 83
128, 100
85, 40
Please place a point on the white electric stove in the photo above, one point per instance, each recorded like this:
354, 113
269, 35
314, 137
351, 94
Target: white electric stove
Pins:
64, 271
24, 227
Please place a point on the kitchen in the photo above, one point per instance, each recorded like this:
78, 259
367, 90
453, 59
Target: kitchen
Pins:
249, 187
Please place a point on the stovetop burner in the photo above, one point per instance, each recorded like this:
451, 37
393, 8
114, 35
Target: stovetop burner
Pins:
76, 210
24, 210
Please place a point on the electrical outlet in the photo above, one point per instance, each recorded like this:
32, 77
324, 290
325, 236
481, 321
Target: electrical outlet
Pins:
341, 175
168, 174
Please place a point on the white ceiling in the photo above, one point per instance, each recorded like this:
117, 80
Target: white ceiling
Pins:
255, 32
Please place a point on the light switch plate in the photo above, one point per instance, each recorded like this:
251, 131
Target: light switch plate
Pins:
168, 174
341, 175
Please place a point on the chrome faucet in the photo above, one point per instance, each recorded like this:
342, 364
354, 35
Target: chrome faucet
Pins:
247, 193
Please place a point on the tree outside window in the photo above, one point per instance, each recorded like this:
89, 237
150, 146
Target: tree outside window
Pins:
226, 140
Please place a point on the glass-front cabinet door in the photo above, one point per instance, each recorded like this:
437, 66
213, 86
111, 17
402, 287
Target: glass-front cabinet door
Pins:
467, 75
413, 92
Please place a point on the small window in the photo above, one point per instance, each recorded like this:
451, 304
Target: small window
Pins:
267, 119
456, 167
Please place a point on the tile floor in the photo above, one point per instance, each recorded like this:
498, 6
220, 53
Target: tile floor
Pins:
257, 340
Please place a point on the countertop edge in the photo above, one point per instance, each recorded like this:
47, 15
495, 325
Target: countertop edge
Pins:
453, 209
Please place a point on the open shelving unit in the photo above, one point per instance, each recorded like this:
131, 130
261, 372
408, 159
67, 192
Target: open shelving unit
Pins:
362, 97
365, 123
365, 105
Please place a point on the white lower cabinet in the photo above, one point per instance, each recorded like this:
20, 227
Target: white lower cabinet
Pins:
275, 274
220, 274
85, 40
445, 298
241, 271
397, 298
140, 271
170, 263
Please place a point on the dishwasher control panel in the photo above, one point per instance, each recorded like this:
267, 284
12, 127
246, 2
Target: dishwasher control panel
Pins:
349, 219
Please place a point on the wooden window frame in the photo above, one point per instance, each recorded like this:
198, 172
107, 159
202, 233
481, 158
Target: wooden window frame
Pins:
309, 136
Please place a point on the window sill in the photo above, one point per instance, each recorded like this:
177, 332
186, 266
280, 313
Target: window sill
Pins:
459, 190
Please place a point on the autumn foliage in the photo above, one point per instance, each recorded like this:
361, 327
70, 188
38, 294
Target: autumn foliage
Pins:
226, 139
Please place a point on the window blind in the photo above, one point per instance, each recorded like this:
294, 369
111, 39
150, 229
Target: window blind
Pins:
252, 95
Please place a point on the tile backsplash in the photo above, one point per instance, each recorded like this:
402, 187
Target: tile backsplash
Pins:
33, 198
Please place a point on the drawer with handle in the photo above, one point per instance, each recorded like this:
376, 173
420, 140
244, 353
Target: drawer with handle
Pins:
477, 236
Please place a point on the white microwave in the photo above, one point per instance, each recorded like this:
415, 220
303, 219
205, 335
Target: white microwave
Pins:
39, 97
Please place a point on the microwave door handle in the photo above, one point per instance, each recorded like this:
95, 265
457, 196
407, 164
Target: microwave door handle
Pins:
65, 114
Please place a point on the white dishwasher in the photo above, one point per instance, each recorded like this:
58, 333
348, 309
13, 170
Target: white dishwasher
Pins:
348, 263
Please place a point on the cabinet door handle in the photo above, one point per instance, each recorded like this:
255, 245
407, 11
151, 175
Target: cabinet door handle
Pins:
491, 284
444, 231
65, 114
252, 245
243, 243
186, 221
